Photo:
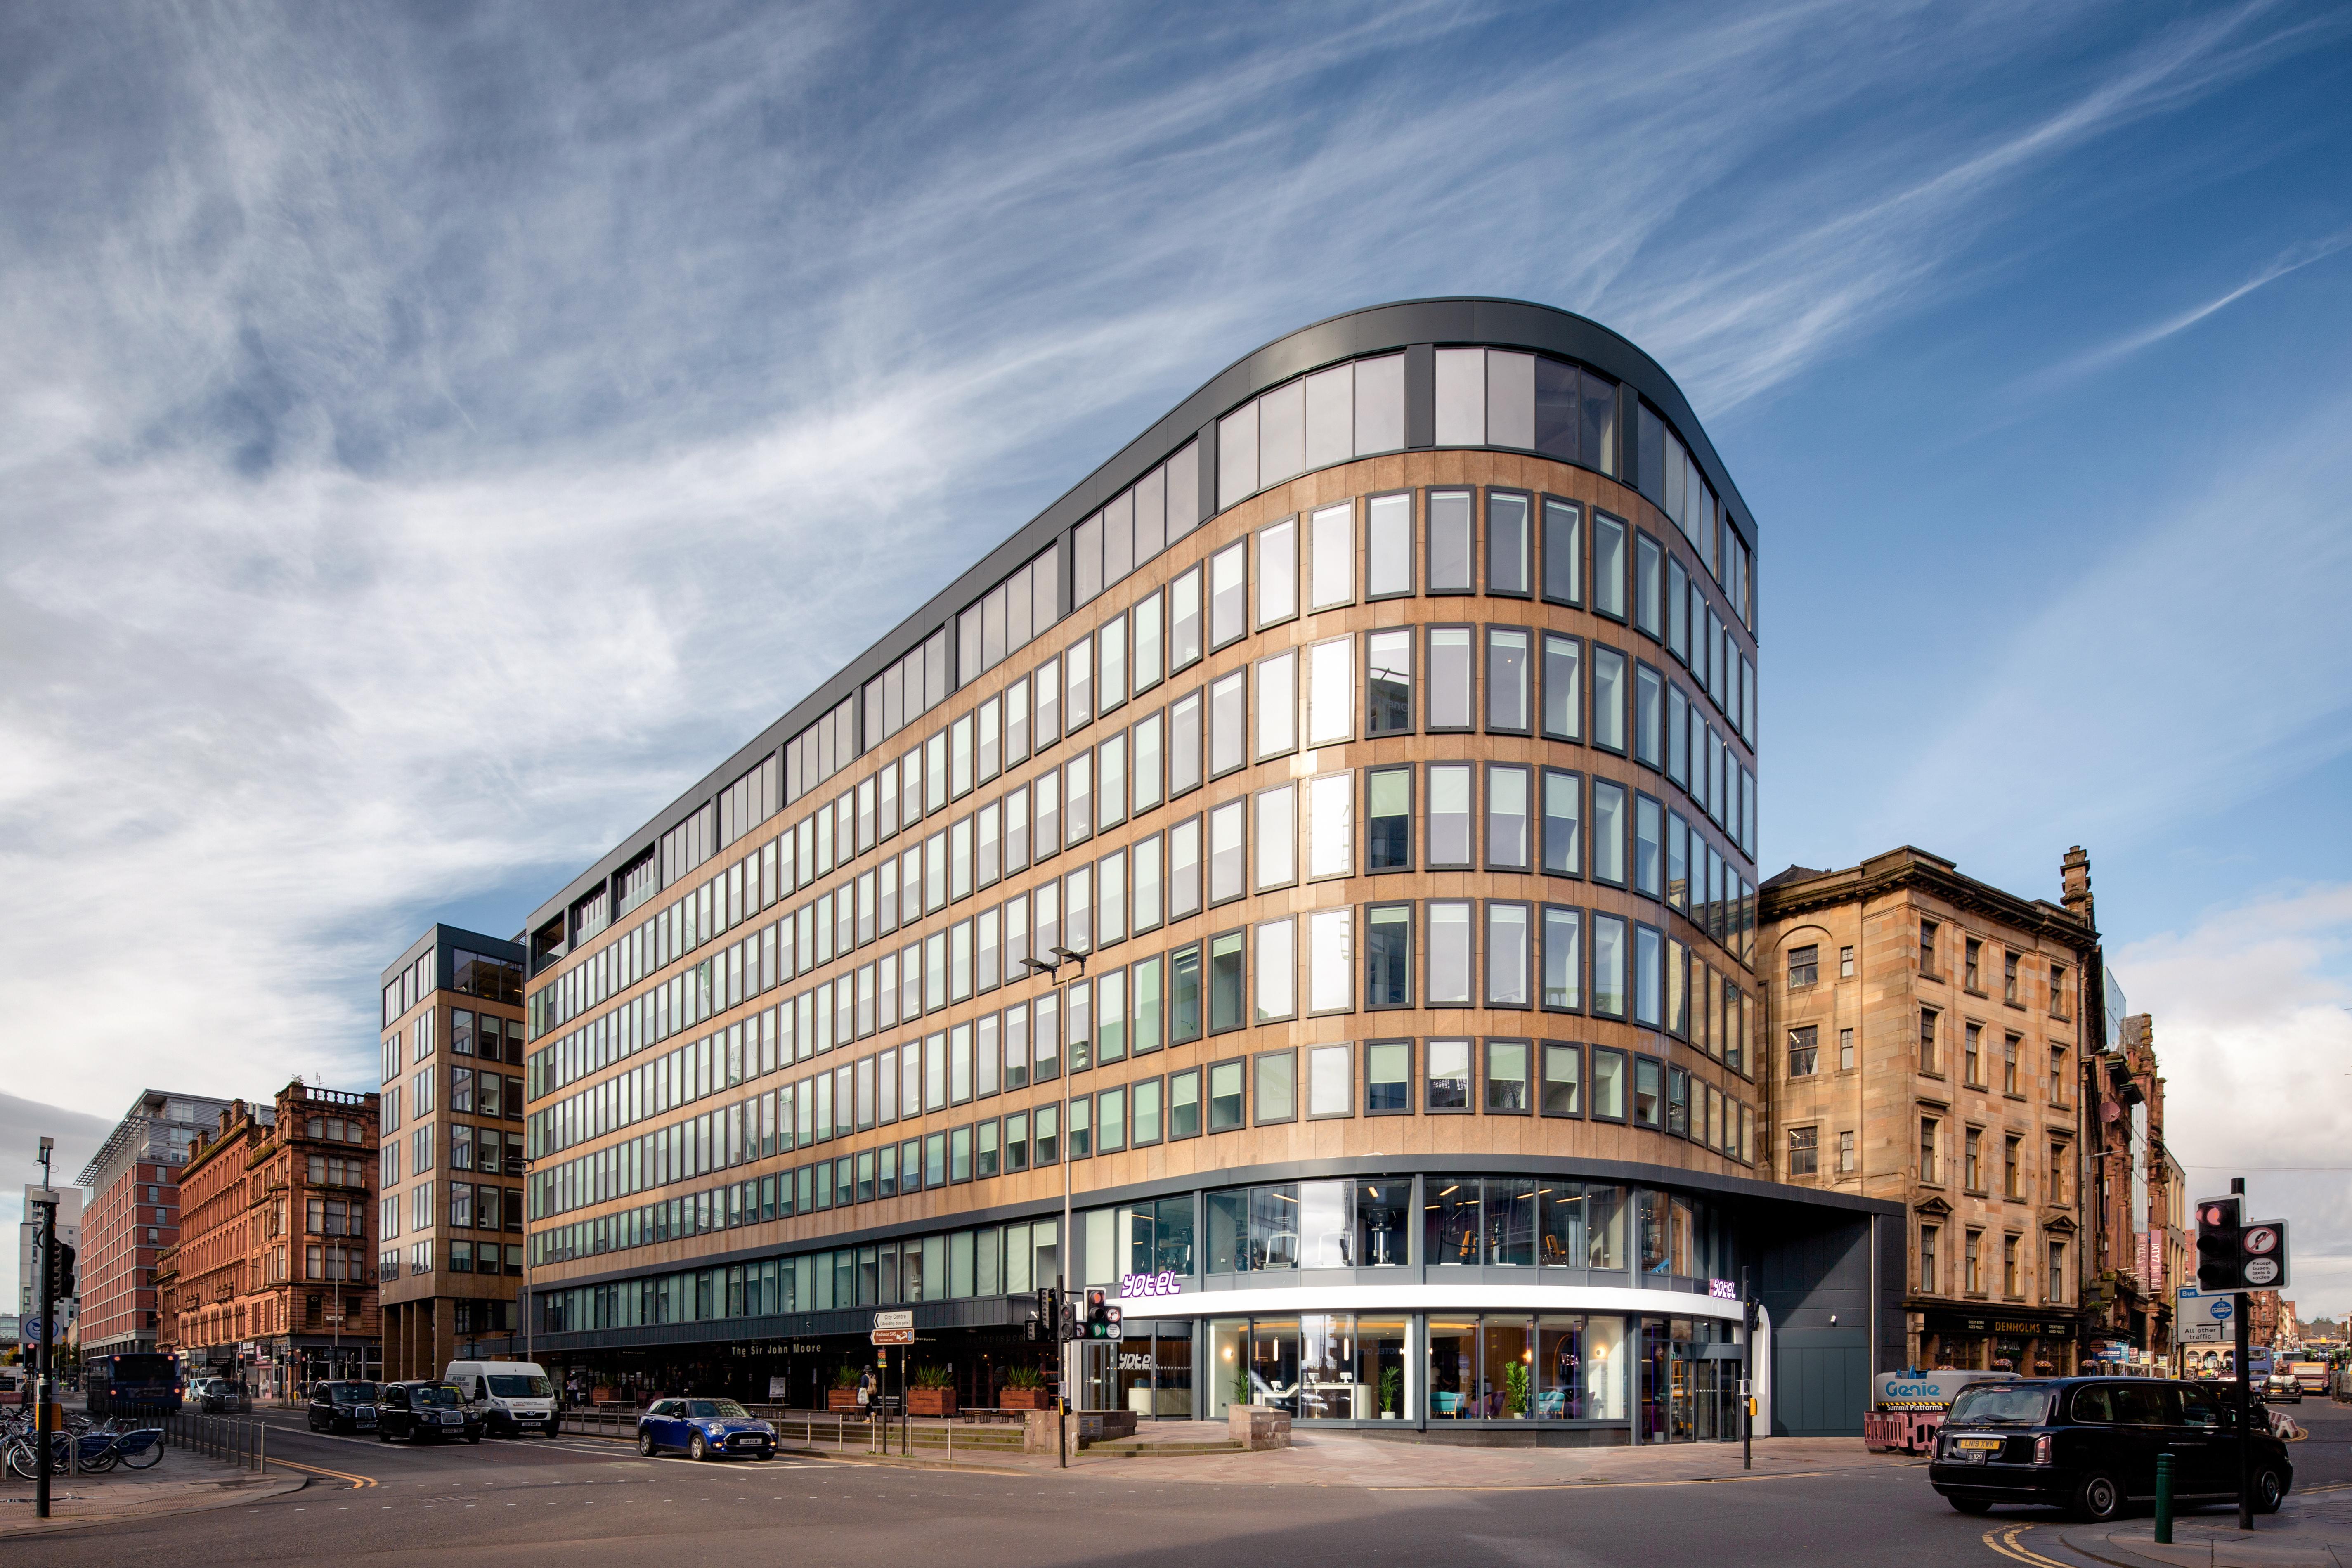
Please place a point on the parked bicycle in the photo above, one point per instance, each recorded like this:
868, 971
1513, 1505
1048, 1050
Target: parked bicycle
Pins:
82, 1446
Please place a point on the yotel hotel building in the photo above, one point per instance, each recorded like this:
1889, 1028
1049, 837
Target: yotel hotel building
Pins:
1302, 882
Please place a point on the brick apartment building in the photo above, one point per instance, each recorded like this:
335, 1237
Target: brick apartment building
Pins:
130, 1214
273, 1279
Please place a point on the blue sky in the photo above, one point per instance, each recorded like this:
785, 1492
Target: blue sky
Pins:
427, 435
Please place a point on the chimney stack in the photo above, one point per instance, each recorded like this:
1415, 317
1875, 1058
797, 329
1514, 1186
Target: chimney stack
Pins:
2075, 876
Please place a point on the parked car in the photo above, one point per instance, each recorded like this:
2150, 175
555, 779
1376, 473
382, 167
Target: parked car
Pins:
343, 1407
426, 1410
516, 1396
220, 1396
2284, 1388
2091, 1443
705, 1428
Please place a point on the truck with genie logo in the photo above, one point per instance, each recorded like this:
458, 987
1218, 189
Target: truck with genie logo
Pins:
1906, 1407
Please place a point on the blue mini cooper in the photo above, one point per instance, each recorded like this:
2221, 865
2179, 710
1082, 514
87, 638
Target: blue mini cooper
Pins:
705, 1428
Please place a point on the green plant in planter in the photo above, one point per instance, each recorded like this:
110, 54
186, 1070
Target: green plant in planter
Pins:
1514, 1389
1240, 1382
1392, 1388
933, 1377
844, 1377
1025, 1377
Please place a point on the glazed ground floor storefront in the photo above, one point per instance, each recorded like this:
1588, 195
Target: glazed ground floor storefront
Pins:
2041, 1343
1529, 1371
283, 1368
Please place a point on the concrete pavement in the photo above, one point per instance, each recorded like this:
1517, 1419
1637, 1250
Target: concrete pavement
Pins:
178, 1484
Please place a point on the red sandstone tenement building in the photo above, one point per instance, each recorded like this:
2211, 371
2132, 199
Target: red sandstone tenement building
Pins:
273, 1279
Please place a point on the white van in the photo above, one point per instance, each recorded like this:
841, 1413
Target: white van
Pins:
517, 1394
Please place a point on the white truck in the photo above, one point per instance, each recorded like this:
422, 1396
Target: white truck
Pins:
518, 1395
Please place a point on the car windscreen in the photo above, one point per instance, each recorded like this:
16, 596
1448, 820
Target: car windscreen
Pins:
437, 1397
508, 1386
2000, 1405
715, 1410
355, 1394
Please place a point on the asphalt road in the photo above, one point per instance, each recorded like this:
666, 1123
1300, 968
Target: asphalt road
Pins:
580, 1503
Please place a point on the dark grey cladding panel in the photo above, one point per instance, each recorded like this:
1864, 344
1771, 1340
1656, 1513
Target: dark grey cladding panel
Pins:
1378, 329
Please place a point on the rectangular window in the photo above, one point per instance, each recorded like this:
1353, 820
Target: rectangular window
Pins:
1508, 544
1331, 961
1388, 956
1228, 731
1387, 1078
1450, 817
1184, 628
1388, 540
1608, 697
1387, 683
1609, 832
1563, 692
1804, 1150
1228, 601
1184, 753
1147, 1120
1331, 1082
1227, 835
1448, 979
1508, 699
1331, 552
1608, 1084
1452, 549
1276, 964
1508, 833
1452, 704
1563, 550
1562, 847
1275, 1089
1609, 966
1226, 961
1608, 565
1225, 1091
1563, 1079
1930, 1057
1278, 705
1277, 571
1563, 954
1509, 962
1507, 1077
1446, 1085
1804, 1051
1184, 1104
1388, 819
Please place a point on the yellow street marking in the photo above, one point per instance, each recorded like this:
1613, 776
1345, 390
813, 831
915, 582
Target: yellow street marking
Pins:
357, 1481
2008, 1546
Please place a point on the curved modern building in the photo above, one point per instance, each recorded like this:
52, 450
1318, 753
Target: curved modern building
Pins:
1302, 883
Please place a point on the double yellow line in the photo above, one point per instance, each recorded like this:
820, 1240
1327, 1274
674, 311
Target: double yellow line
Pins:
2007, 1545
357, 1481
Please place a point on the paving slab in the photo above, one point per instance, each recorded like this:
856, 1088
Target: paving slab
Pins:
178, 1485
2308, 1531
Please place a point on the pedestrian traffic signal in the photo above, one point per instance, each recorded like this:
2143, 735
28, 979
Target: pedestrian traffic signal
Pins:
2219, 1233
1046, 1316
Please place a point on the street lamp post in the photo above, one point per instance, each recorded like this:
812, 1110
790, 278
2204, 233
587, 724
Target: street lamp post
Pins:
1066, 1249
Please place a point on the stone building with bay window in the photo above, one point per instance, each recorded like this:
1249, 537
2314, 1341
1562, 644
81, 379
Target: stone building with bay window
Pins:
1301, 883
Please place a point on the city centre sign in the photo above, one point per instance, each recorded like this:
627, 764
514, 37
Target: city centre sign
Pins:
1164, 1283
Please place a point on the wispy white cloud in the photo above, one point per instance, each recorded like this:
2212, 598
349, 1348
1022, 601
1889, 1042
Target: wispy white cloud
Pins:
428, 447
2294, 258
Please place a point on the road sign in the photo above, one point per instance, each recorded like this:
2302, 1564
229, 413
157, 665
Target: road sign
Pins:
31, 1330
894, 1336
2262, 1239
2262, 1270
901, 1319
2220, 1310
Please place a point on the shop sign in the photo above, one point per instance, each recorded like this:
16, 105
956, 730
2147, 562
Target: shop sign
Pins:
1722, 1291
1135, 1361
1164, 1283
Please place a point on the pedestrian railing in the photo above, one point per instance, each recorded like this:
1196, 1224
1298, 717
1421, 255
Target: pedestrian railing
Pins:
239, 1441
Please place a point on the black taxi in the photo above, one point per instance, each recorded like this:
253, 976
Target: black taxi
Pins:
2091, 1443
427, 1410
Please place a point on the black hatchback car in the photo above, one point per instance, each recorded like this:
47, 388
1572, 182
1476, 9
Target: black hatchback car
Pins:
426, 1411
2091, 1443
343, 1407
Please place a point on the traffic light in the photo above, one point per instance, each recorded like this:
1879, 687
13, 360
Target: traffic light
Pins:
1046, 1315
1102, 1317
60, 1278
2219, 1257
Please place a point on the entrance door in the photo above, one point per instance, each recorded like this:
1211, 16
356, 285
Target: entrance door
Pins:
1094, 1372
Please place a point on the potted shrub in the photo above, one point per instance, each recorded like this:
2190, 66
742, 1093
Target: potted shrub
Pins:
1024, 1389
1392, 1392
842, 1395
932, 1391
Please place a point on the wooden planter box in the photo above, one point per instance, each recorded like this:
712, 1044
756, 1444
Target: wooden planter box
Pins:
842, 1399
1026, 1399
930, 1401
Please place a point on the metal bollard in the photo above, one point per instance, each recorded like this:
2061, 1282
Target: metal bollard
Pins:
2163, 1499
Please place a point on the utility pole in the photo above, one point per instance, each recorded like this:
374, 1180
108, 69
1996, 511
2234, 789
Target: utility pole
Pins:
44, 1375
2239, 1302
1748, 1374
